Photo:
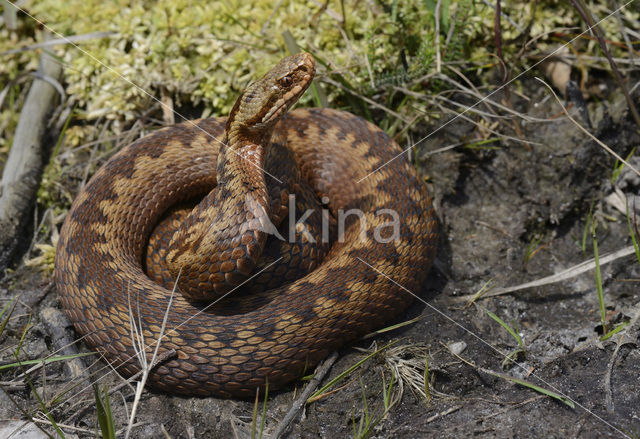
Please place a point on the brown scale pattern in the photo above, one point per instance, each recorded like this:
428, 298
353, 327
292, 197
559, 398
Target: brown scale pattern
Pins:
282, 259
275, 335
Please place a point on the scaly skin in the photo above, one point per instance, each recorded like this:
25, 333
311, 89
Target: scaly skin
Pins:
246, 340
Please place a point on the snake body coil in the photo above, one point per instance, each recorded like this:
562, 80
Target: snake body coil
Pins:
246, 340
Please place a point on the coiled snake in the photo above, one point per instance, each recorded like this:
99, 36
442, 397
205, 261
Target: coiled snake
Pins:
259, 334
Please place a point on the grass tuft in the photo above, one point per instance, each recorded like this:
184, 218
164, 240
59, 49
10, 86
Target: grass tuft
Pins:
537, 388
513, 331
324, 390
105, 416
254, 418
370, 418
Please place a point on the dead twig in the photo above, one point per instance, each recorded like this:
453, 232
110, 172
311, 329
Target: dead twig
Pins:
299, 403
497, 34
444, 413
56, 323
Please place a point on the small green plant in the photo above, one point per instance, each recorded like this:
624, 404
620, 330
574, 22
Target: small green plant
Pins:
519, 381
387, 395
105, 416
484, 144
364, 418
8, 309
369, 419
254, 418
533, 247
532, 386
606, 334
633, 232
482, 291
325, 389
619, 166
587, 227
614, 331
598, 278
513, 331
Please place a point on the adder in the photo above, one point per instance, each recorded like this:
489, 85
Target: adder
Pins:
248, 309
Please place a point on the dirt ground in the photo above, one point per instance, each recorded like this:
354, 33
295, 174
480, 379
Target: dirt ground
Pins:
511, 212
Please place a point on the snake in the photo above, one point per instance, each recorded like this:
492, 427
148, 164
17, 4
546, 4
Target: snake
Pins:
214, 195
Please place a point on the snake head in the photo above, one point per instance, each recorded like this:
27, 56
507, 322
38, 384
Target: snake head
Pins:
265, 101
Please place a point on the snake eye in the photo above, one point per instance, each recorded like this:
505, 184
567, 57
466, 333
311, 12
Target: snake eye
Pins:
286, 81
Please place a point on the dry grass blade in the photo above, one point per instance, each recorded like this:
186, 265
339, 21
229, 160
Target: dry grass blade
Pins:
409, 366
366, 99
563, 275
146, 366
487, 102
391, 328
485, 127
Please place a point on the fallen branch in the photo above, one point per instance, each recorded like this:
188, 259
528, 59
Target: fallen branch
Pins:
56, 323
21, 176
306, 393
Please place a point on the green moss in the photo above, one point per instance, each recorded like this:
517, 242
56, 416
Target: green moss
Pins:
208, 52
